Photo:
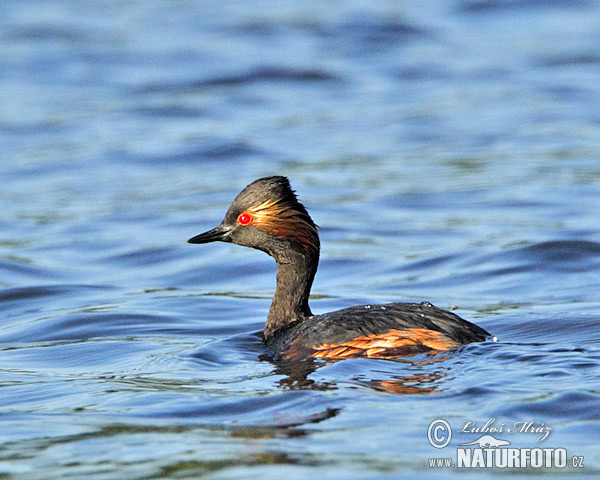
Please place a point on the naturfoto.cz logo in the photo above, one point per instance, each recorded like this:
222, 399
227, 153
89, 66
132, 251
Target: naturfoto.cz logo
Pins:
488, 450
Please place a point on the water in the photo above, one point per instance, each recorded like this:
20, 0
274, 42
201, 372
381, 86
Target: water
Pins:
449, 151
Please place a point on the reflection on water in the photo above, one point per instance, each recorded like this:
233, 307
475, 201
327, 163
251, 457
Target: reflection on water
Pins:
296, 375
449, 152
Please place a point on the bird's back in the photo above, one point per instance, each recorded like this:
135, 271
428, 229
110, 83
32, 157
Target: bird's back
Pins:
375, 330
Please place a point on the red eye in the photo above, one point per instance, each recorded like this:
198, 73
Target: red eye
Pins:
244, 219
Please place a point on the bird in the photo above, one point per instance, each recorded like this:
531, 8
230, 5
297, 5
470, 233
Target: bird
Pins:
267, 215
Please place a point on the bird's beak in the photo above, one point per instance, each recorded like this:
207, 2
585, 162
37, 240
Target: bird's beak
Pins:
217, 234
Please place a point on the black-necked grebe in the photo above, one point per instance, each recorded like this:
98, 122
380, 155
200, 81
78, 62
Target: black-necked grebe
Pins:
267, 215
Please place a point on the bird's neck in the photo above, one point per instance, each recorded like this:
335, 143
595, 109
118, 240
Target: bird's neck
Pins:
295, 276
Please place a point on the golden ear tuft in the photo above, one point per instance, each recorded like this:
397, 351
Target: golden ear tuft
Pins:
282, 220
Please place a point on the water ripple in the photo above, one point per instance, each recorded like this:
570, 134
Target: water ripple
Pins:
260, 75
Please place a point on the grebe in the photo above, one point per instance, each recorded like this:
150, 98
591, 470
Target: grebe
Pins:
267, 216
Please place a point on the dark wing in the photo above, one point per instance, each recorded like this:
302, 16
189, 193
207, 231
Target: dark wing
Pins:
392, 329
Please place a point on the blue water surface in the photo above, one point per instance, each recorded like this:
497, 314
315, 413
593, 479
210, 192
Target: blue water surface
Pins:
449, 151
